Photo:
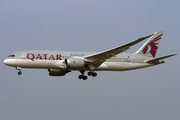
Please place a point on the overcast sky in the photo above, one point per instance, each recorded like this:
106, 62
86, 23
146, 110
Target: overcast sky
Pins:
93, 26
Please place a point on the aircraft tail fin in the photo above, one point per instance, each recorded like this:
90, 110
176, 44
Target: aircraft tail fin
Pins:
149, 49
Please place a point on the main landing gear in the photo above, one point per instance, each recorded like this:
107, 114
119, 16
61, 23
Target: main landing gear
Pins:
84, 77
18, 68
94, 74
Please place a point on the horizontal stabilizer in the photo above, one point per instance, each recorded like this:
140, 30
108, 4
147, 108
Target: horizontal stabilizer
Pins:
160, 58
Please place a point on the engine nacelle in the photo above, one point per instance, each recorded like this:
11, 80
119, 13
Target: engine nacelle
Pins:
57, 72
74, 63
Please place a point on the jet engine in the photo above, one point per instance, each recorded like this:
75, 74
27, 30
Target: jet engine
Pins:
74, 63
57, 72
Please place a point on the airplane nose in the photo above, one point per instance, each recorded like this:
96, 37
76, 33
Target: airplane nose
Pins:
10, 62
6, 61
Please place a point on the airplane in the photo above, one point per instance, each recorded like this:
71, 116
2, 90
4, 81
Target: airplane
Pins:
59, 63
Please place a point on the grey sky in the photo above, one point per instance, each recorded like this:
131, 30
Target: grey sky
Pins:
91, 25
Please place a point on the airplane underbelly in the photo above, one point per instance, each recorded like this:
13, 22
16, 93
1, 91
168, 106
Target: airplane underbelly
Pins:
112, 66
116, 66
122, 66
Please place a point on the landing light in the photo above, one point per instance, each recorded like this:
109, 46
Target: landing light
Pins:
162, 61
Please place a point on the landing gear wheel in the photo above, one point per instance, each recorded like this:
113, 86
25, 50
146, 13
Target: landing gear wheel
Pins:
94, 74
19, 73
80, 76
84, 77
90, 73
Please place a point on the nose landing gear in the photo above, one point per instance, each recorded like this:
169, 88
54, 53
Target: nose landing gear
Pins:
20, 72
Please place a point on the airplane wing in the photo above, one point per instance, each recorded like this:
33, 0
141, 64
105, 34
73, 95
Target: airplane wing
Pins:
97, 59
160, 58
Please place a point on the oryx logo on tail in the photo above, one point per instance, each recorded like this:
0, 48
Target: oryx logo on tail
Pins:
149, 49
152, 46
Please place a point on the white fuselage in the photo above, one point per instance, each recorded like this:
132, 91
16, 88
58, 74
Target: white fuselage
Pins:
55, 60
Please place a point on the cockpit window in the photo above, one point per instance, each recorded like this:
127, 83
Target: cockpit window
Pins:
11, 56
